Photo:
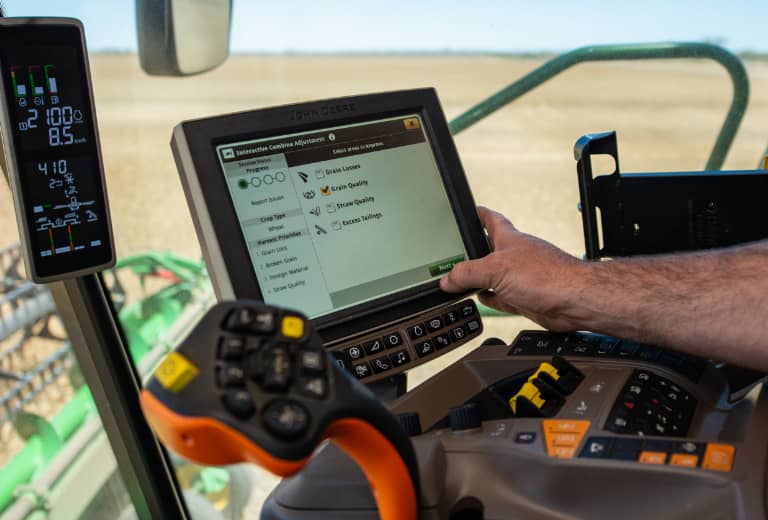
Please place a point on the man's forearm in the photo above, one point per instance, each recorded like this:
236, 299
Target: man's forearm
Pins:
713, 304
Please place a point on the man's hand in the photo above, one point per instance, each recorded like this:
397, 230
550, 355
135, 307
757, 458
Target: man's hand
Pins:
524, 275
712, 303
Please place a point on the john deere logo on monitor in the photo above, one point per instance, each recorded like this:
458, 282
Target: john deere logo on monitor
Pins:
228, 153
320, 111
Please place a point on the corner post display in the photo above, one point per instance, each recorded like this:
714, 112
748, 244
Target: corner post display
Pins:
55, 173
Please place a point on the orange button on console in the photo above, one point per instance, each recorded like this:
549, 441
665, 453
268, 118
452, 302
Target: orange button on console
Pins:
562, 452
685, 460
718, 457
652, 457
563, 437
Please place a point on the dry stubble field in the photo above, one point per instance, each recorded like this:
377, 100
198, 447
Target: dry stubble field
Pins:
518, 161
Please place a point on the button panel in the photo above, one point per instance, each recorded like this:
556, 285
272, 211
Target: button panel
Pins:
652, 405
274, 364
562, 437
684, 454
410, 343
543, 343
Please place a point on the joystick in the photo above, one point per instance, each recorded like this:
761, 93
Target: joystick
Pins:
252, 383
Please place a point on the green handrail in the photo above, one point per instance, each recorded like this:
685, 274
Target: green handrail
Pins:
642, 51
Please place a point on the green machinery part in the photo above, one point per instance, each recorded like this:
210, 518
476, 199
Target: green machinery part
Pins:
39, 449
144, 322
636, 51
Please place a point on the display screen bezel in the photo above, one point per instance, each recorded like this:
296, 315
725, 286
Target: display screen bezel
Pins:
52, 32
204, 136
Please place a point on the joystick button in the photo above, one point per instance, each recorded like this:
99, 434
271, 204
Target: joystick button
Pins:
314, 387
286, 419
292, 327
239, 402
246, 319
276, 366
231, 375
232, 348
312, 361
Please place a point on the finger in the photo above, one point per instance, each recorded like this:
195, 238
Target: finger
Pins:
495, 223
493, 219
471, 274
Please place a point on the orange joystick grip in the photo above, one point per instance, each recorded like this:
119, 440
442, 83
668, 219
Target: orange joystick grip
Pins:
252, 383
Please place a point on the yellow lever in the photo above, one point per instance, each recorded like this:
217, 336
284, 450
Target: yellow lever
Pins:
530, 391
547, 369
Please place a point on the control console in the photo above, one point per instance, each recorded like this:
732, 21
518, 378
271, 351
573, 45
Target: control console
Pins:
566, 425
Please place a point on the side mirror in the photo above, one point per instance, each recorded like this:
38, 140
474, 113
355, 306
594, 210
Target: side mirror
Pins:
182, 37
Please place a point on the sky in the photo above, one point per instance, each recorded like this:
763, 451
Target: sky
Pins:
435, 26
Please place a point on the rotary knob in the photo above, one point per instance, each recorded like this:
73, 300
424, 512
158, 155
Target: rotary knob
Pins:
494, 342
410, 423
465, 417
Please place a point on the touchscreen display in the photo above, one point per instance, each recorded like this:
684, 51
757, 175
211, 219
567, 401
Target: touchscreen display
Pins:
53, 137
338, 217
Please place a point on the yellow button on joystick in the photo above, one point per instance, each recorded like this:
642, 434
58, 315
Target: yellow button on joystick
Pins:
292, 327
175, 372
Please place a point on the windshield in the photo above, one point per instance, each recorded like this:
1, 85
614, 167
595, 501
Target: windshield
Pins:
519, 160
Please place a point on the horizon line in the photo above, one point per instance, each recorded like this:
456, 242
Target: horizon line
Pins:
746, 53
